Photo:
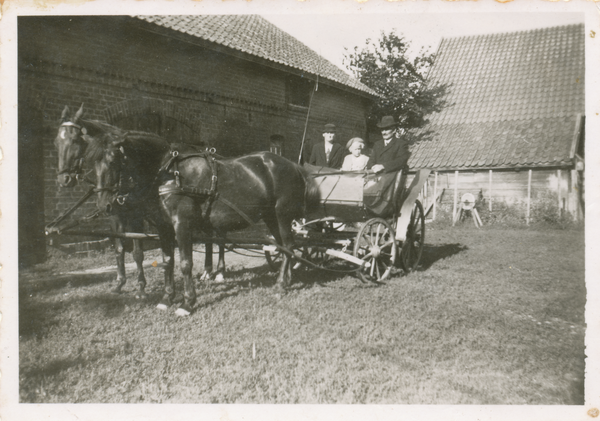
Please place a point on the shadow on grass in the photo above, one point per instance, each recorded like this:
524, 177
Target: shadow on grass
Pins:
37, 317
433, 253
60, 281
261, 277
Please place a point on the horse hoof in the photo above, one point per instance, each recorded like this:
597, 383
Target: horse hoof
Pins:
219, 278
141, 296
164, 304
182, 312
205, 277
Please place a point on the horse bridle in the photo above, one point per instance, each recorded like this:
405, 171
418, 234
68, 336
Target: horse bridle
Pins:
119, 195
77, 168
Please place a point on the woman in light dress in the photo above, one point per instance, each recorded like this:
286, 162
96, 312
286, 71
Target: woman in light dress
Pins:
356, 161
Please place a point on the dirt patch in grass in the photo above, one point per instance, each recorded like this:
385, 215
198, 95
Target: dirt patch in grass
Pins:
493, 316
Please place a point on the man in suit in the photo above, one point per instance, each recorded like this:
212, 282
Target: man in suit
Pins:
391, 153
327, 154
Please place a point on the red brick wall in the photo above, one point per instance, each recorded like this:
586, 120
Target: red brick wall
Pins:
119, 71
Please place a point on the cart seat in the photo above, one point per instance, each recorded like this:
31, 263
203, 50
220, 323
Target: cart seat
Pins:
352, 196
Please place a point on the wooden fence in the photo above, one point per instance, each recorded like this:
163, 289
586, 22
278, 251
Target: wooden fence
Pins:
513, 188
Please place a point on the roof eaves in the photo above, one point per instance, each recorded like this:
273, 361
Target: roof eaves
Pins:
221, 45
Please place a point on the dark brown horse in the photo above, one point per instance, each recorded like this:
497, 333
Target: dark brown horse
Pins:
202, 195
75, 135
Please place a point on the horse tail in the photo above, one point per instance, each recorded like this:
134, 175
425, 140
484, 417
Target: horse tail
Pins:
312, 196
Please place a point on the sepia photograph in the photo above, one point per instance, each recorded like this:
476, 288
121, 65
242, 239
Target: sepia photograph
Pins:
379, 208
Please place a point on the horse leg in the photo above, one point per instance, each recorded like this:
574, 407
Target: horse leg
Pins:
285, 271
120, 255
208, 263
167, 243
184, 240
138, 257
137, 225
220, 276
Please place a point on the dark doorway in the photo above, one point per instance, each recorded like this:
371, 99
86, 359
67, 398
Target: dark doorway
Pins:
32, 242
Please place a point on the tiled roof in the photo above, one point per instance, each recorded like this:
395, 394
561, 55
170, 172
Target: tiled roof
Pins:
515, 99
254, 35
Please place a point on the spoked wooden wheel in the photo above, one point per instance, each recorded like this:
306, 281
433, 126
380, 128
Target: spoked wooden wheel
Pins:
315, 255
375, 245
412, 248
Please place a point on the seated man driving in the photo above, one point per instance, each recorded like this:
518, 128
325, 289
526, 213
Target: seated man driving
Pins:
391, 153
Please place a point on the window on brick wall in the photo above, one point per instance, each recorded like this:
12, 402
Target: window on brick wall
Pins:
298, 90
276, 144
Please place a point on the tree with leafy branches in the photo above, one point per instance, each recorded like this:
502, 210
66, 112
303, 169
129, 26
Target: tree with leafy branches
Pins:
401, 81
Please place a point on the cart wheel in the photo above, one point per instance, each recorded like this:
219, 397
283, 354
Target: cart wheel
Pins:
315, 255
412, 248
375, 244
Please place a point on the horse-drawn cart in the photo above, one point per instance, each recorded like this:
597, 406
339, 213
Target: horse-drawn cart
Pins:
189, 194
372, 221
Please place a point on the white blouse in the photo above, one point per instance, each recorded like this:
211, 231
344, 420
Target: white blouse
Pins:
355, 163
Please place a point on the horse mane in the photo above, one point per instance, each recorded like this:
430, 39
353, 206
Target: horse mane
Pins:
101, 136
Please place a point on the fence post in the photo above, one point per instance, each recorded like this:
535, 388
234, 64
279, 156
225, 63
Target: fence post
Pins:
558, 191
455, 197
435, 194
490, 191
528, 196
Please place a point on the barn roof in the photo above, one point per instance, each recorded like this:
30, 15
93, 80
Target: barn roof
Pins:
255, 36
516, 100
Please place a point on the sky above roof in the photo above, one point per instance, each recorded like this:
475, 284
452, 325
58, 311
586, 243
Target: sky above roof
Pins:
329, 34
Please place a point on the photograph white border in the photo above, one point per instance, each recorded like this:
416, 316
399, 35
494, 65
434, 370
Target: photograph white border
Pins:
11, 409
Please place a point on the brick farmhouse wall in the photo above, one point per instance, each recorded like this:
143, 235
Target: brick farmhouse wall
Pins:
122, 71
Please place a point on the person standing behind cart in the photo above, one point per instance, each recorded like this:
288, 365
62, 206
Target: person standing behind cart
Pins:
391, 153
327, 154
356, 161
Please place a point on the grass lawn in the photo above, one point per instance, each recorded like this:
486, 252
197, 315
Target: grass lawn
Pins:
493, 316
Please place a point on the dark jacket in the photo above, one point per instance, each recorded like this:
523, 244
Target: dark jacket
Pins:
319, 158
393, 157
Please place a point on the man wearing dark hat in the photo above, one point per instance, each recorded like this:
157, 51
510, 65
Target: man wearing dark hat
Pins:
327, 154
391, 153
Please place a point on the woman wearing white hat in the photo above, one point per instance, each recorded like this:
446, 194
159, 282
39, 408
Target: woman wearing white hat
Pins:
356, 161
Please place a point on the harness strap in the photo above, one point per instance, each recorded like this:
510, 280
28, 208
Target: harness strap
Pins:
238, 210
210, 193
188, 191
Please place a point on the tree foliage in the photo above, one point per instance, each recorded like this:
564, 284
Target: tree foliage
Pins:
401, 81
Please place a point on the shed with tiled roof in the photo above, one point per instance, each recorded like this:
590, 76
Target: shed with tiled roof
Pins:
516, 103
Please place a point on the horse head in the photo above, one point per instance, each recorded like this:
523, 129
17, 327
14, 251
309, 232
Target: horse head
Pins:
71, 145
